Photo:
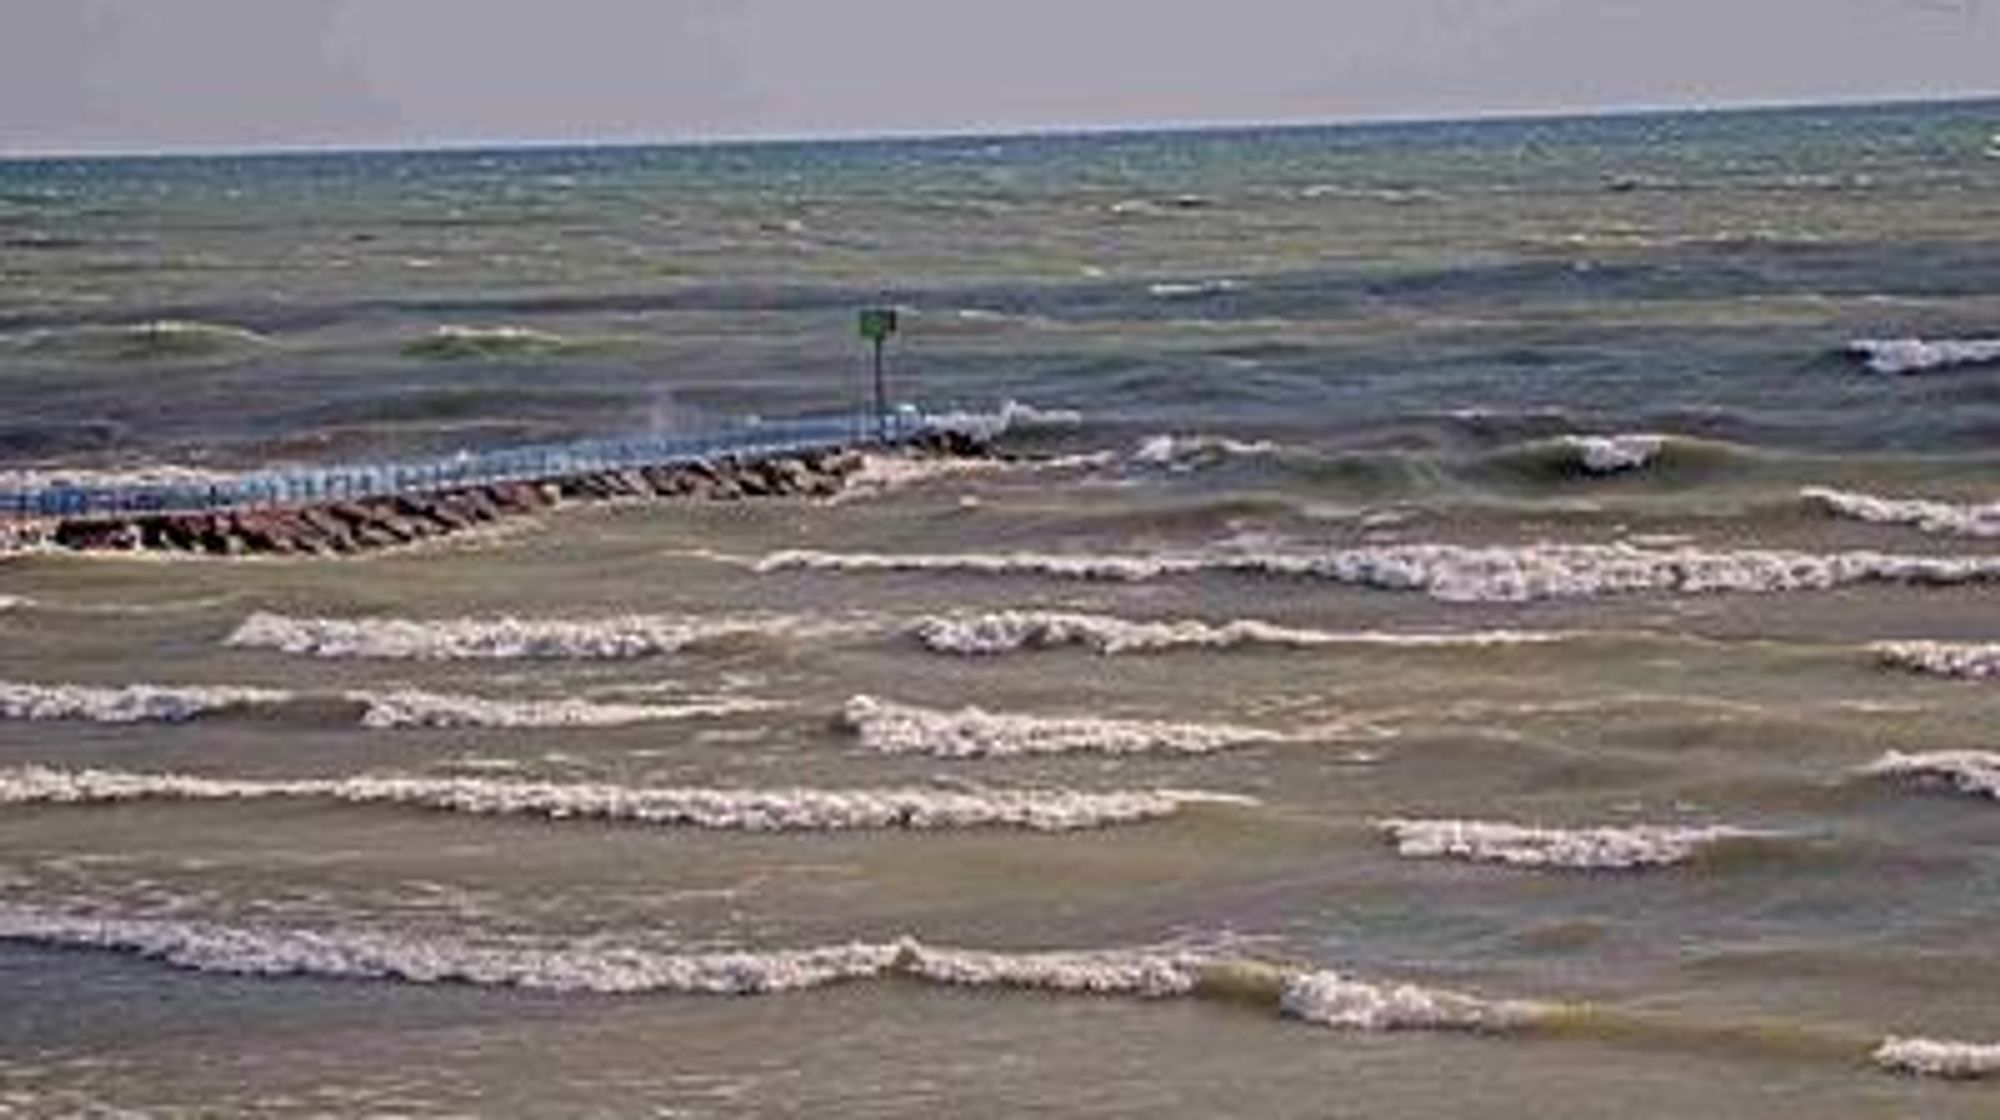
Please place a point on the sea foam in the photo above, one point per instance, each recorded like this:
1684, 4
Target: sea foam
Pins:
1946, 659
748, 810
504, 638
1974, 772
134, 703
1916, 355
1951, 518
1924, 1057
1609, 848
1455, 573
975, 733
999, 632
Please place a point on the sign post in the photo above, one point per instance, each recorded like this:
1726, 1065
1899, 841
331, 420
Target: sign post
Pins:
877, 324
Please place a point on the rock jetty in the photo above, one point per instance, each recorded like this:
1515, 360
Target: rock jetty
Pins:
357, 525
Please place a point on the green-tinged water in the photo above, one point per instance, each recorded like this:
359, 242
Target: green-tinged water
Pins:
1325, 551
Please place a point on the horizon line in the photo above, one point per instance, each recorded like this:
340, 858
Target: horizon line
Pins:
1004, 132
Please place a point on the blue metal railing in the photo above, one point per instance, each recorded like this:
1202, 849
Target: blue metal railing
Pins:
420, 476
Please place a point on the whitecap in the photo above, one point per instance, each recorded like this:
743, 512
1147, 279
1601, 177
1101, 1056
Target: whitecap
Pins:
1946, 659
1974, 772
132, 703
1959, 519
1334, 1000
1454, 573
1915, 355
505, 638
1924, 1057
1012, 415
748, 810
972, 732
1616, 453
1192, 289
1189, 452
414, 708
1002, 632
1622, 847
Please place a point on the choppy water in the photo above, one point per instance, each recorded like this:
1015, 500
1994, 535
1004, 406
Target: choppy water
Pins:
1504, 621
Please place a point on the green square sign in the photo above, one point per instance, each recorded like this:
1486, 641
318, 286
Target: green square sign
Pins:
878, 323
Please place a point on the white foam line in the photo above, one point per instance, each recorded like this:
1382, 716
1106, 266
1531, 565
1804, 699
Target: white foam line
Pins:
504, 638
1000, 632
1951, 518
1973, 661
1974, 772
1625, 847
134, 703
412, 708
1456, 573
749, 810
1924, 1057
1915, 355
893, 728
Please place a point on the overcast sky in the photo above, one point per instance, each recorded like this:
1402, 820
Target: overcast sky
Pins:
172, 74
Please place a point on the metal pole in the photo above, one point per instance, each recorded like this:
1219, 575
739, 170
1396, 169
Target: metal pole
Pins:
881, 398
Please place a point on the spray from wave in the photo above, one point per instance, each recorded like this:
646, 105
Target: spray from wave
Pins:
497, 639
1945, 659
744, 810
1618, 848
1456, 573
1001, 632
1897, 356
1965, 520
975, 733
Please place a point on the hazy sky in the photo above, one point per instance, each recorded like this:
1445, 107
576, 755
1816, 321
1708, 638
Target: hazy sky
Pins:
153, 74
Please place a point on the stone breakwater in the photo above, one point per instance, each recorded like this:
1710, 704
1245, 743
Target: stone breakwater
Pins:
365, 524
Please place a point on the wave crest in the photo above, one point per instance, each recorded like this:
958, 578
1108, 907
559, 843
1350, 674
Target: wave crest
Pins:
747, 810
503, 638
1194, 452
1001, 632
133, 703
1924, 1057
1895, 356
1334, 1000
1011, 416
1456, 573
161, 340
458, 343
1608, 848
975, 733
1966, 520
1946, 659
1974, 772
413, 708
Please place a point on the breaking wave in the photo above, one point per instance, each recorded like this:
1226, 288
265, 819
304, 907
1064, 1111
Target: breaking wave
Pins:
1915, 355
1946, 659
1455, 573
1965, 520
1614, 454
1193, 289
135, 703
745, 810
1011, 416
1333, 1000
1009, 631
504, 638
1924, 1057
412, 708
598, 968
1973, 772
1193, 452
456, 343
1610, 848
975, 733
